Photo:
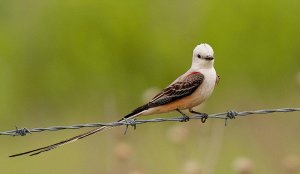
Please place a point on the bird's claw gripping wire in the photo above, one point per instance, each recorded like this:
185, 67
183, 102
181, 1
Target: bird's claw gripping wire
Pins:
21, 132
204, 117
129, 122
183, 118
230, 115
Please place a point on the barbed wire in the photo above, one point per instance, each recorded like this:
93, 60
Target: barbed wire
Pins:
223, 115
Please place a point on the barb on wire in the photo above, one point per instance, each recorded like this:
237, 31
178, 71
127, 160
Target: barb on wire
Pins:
223, 115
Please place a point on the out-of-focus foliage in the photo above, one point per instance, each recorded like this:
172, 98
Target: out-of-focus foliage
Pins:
67, 62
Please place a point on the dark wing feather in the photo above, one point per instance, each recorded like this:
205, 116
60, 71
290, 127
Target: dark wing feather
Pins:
178, 90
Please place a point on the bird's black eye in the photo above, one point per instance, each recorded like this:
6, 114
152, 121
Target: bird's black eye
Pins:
198, 55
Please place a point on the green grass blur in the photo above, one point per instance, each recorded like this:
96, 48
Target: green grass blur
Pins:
71, 62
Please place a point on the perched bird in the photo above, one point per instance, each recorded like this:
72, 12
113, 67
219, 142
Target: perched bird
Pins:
187, 91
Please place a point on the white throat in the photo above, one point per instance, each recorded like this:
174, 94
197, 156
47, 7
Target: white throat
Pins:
202, 64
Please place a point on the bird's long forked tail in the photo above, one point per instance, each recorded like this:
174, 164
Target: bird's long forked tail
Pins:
78, 137
53, 146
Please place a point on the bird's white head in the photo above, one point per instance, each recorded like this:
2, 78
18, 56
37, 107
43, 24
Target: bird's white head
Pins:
203, 56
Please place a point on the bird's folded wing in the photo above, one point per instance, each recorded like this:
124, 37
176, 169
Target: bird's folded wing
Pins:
182, 88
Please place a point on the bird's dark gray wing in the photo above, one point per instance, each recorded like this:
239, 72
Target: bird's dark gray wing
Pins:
178, 90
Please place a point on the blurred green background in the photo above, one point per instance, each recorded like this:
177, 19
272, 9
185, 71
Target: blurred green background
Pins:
71, 62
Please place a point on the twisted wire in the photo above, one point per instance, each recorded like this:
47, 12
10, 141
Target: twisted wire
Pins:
223, 115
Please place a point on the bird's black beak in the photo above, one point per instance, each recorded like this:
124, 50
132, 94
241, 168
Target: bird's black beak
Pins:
209, 58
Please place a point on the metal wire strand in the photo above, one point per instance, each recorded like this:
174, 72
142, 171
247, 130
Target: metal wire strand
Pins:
223, 115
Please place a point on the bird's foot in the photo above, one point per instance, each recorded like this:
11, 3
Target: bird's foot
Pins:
183, 118
129, 122
204, 116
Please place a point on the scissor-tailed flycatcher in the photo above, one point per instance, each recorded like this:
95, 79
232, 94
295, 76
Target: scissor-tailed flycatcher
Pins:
187, 91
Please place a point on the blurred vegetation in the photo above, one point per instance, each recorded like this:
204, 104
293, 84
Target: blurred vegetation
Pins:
69, 62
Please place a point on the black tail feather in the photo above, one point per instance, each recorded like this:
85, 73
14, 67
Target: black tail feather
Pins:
138, 110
